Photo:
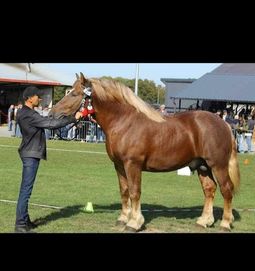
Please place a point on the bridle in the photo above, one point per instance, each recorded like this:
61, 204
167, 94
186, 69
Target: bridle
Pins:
87, 93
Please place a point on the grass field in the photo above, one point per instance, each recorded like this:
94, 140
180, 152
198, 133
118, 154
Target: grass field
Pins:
76, 173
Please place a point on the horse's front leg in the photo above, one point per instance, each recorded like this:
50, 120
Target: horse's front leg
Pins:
126, 206
133, 173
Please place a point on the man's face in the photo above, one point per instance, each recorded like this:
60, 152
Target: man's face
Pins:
35, 100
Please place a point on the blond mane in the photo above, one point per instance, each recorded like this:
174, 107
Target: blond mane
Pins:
109, 90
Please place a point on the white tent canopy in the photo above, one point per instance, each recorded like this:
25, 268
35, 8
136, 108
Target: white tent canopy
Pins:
33, 72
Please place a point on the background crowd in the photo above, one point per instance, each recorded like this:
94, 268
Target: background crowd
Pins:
88, 130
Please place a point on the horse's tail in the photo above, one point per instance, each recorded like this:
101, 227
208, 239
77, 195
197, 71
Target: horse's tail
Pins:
233, 166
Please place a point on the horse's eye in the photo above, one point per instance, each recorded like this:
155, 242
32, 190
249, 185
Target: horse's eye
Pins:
73, 94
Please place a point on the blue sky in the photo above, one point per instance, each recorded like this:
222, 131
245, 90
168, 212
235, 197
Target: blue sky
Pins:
150, 71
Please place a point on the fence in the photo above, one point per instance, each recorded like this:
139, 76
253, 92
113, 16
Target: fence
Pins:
84, 131
92, 132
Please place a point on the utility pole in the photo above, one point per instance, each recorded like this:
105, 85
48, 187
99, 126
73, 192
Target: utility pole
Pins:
28, 67
158, 96
136, 79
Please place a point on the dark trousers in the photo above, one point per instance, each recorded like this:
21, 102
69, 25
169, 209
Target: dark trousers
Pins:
30, 167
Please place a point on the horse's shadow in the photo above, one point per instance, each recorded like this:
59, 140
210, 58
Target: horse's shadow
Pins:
149, 211
153, 211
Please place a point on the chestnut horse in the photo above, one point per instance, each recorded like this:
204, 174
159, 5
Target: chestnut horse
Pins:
139, 139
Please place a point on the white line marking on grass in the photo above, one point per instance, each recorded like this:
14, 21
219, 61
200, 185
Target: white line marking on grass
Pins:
143, 210
8, 146
97, 152
34, 204
52, 149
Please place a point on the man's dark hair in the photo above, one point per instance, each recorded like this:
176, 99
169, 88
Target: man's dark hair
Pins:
31, 91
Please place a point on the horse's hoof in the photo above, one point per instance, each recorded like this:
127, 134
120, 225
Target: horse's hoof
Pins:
225, 226
120, 223
225, 229
130, 229
200, 226
143, 228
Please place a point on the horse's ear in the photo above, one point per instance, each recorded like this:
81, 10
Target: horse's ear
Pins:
84, 80
77, 76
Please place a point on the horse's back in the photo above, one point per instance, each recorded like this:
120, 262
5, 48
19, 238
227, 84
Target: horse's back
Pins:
202, 122
211, 135
190, 135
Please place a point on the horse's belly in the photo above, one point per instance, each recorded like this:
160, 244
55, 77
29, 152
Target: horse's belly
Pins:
163, 165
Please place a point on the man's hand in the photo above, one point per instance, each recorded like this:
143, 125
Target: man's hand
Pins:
78, 115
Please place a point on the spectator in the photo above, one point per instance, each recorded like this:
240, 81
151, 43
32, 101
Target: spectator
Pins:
162, 110
249, 133
89, 115
219, 113
13, 120
10, 115
241, 129
224, 115
18, 133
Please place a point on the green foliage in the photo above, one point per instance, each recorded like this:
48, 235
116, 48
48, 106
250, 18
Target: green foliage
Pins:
59, 93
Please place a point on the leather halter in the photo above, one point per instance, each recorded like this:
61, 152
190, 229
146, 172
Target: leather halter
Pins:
87, 93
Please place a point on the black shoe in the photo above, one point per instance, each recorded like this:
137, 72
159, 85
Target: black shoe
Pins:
23, 229
31, 225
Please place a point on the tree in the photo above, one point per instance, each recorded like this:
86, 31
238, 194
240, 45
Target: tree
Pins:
59, 93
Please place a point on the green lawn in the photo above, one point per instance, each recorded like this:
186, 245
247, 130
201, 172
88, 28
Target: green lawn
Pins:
76, 173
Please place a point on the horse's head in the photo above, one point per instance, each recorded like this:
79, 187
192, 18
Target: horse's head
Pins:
71, 103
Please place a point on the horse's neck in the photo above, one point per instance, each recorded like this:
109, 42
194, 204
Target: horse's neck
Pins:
109, 114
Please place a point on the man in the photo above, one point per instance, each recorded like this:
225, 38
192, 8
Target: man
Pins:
162, 110
32, 149
10, 111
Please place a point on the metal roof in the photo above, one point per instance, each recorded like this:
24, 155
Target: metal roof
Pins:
235, 69
221, 87
177, 80
36, 73
174, 85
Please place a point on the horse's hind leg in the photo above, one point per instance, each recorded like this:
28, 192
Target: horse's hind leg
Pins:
209, 188
126, 208
226, 188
